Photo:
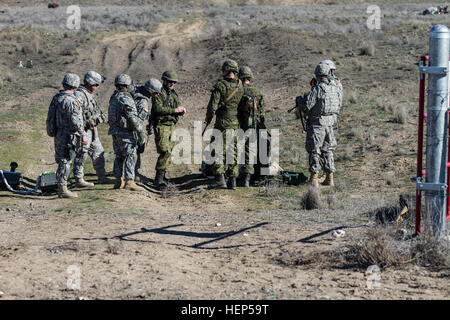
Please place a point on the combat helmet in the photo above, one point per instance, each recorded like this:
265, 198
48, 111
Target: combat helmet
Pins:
322, 70
169, 75
93, 78
329, 63
153, 86
122, 79
71, 80
245, 72
230, 65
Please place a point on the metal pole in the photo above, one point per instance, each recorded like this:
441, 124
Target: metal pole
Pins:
436, 148
423, 62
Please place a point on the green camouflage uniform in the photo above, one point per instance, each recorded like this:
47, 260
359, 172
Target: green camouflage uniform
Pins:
226, 118
165, 118
249, 119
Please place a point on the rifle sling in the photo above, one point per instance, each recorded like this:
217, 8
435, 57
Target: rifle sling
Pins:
223, 103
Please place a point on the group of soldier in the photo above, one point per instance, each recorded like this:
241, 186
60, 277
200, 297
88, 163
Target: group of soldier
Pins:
136, 112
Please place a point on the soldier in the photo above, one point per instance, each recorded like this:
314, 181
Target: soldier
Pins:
123, 121
321, 108
142, 96
166, 110
93, 116
65, 118
251, 115
223, 103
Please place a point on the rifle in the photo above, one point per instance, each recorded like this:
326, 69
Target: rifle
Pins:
207, 124
299, 101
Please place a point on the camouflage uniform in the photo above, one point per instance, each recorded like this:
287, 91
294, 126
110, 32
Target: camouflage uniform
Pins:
322, 107
141, 98
123, 121
93, 116
226, 118
70, 129
248, 119
164, 120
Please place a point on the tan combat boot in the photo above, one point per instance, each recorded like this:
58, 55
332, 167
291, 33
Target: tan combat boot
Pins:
314, 180
102, 179
130, 185
120, 183
81, 183
329, 180
63, 192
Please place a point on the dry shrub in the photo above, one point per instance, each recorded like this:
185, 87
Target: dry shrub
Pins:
356, 132
312, 199
400, 115
352, 98
346, 154
431, 252
368, 50
377, 247
68, 50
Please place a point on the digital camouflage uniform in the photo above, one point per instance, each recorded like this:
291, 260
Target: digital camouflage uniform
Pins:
93, 116
251, 100
141, 98
226, 118
123, 121
164, 120
322, 107
70, 129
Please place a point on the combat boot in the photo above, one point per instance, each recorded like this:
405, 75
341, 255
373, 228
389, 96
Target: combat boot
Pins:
120, 183
63, 192
81, 183
247, 180
314, 180
102, 179
130, 185
159, 178
329, 180
220, 181
232, 183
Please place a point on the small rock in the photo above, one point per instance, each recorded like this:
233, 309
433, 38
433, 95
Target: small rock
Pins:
245, 234
238, 23
218, 224
2, 294
338, 233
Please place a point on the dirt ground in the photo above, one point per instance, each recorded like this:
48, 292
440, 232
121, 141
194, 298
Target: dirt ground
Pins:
191, 242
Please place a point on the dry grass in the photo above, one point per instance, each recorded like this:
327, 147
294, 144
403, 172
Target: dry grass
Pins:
430, 252
312, 199
376, 247
368, 50
400, 115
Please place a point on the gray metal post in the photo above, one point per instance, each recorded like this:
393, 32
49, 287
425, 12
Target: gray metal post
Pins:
436, 149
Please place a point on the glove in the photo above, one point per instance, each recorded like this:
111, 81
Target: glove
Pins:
141, 148
149, 129
141, 136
